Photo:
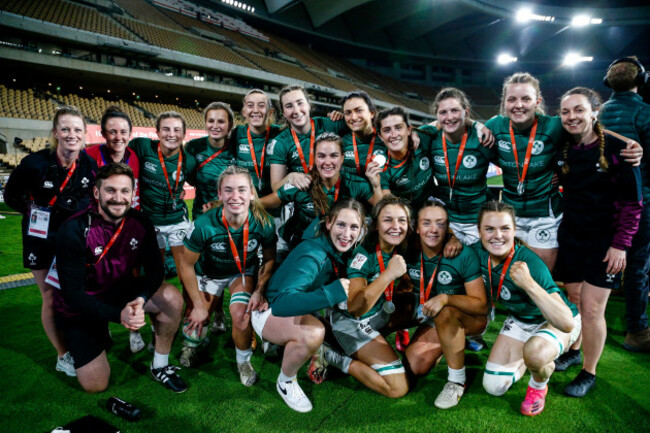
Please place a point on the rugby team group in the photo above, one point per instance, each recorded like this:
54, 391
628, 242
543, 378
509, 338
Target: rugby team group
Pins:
331, 233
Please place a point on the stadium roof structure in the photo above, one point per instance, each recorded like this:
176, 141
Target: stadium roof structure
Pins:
468, 30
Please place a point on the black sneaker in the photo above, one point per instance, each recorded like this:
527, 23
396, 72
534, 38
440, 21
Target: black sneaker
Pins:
168, 377
581, 385
566, 360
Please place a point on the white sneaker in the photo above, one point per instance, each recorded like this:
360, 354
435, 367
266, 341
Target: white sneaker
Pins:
293, 396
450, 395
66, 365
247, 374
218, 325
136, 343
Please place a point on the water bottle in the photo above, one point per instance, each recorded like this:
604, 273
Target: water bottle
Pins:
122, 408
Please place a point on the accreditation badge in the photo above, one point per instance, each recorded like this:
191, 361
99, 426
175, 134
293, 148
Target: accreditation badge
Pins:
52, 277
39, 221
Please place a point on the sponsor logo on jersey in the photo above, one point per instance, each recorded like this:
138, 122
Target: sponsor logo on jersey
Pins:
270, 147
218, 246
98, 250
294, 154
133, 243
504, 145
444, 277
424, 163
402, 181
349, 154
358, 261
252, 245
414, 273
505, 293
543, 236
439, 160
150, 166
48, 184
538, 147
469, 161
243, 148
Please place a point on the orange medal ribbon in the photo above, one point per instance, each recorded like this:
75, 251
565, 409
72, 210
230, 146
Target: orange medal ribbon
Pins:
424, 296
311, 148
531, 140
459, 159
253, 157
356, 151
178, 172
504, 271
233, 247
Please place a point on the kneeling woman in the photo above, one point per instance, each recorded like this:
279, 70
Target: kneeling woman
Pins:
457, 306
221, 251
372, 271
306, 282
542, 323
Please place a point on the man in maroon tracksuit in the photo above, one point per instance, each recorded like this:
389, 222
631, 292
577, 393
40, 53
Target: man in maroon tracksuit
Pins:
96, 252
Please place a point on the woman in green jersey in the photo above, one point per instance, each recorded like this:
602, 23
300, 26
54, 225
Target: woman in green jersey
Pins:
221, 251
452, 303
541, 322
212, 154
327, 186
310, 279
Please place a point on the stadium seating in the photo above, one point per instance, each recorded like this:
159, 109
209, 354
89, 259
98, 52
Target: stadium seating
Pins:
194, 118
145, 11
23, 104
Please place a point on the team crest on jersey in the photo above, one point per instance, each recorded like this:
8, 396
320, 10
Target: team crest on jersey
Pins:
444, 277
84, 182
543, 236
270, 147
505, 293
243, 148
98, 250
32, 259
252, 244
47, 184
133, 243
358, 261
218, 246
424, 163
469, 161
150, 166
310, 206
538, 147
414, 273
439, 160
504, 145
174, 176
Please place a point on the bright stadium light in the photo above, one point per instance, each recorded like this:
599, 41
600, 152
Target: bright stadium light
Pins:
525, 14
596, 21
580, 21
572, 59
505, 59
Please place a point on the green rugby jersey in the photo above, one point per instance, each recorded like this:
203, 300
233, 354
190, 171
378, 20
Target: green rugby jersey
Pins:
470, 187
282, 149
451, 276
242, 152
209, 237
364, 264
412, 180
351, 187
349, 164
155, 198
514, 299
206, 177
540, 194
307, 280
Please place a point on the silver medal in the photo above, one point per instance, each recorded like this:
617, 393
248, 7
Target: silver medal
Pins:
420, 317
174, 205
492, 316
451, 192
520, 188
389, 307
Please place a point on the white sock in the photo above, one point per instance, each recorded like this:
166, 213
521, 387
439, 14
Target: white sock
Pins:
456, 376
537, 385
160, 360
284, 378
243, 355
338, 360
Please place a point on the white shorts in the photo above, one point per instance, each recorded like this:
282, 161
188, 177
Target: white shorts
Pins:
172, 234
216, 286
352, 334
539, 232
522, 331
258, 320
467, 233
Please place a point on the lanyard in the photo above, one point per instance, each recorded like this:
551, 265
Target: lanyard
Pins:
336, 191
311, 148
71, 170
233, 248
178, 171
213, 156
103, 147
531, 139
252, 149
459, 159
406, 158
111, 241
389, 290
503, 273
424, 296
356, 151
